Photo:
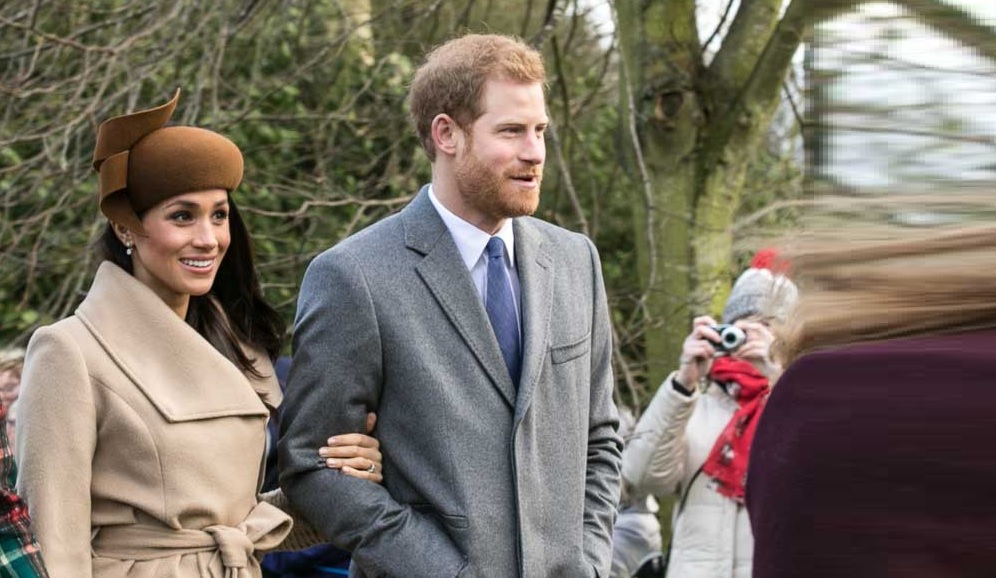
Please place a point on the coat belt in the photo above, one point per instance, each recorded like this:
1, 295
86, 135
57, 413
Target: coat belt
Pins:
263, 529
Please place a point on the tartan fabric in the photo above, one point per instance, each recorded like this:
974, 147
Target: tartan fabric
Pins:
19, 552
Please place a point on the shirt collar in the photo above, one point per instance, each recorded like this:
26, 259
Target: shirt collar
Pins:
470, 240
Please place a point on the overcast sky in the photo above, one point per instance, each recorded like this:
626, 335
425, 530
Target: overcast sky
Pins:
926, 84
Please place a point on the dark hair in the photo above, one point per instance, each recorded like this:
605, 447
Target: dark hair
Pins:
234, 312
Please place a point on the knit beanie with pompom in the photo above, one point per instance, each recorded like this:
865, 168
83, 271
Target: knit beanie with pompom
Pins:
762, 289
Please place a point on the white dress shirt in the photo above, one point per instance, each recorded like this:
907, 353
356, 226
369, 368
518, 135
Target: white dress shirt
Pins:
471, 242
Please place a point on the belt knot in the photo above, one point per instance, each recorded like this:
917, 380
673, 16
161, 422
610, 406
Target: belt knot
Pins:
233, 544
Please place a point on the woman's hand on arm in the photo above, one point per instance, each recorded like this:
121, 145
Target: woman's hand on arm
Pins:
357, 455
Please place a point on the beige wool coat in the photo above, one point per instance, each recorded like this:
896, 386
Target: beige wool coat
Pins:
141, 446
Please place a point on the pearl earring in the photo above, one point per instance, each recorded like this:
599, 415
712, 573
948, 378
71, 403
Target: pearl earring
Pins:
128, 249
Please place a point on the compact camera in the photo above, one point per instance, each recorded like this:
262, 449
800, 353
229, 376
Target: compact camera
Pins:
731, 338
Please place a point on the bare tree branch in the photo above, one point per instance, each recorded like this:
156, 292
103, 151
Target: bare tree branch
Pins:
742, 48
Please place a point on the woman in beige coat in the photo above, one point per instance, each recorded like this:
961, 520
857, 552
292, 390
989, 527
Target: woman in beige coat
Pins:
143, 416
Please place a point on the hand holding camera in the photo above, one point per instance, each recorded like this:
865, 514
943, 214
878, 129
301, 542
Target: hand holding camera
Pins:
747, 339
757, 348
697, 352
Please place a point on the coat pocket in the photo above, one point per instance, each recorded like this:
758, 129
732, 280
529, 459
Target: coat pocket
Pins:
448, 520
565, 353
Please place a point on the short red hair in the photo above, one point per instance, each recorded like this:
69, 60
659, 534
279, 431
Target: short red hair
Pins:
451, 81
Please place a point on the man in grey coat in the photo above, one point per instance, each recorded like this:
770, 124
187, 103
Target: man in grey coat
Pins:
481, 338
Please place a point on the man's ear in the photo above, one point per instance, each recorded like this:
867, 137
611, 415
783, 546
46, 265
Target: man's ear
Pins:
447, 136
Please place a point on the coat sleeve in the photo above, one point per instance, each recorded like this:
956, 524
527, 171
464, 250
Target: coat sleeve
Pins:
655, 455
302, 535
335, 379
604, 444
56, 434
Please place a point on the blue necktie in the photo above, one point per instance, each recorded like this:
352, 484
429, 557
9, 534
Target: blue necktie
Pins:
501, 308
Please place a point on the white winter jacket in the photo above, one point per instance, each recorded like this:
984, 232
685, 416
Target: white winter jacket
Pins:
712, 535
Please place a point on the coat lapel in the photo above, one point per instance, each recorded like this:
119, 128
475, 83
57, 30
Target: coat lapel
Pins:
180, 373
535, 269
448, 280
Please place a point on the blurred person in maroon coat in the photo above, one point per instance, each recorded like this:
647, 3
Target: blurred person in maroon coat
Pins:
874, 457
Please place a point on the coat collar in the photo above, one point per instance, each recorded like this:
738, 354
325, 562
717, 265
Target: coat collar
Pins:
180, 373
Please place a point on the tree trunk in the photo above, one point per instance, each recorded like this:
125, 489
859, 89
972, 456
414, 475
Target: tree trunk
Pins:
695, 129
358, 14
661, 112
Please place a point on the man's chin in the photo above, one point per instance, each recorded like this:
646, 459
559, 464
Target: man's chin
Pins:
522, 204
521, 210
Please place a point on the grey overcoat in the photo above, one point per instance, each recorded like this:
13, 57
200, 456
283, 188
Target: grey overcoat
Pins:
479, 479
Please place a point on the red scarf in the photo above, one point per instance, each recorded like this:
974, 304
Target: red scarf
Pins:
727, 462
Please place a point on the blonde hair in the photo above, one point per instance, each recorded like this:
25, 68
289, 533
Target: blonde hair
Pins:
452, 79
12, 358
871, 281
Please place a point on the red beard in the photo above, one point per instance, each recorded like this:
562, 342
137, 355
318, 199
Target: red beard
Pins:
494, 192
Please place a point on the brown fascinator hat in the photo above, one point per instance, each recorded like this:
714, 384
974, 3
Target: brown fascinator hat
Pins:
142, 162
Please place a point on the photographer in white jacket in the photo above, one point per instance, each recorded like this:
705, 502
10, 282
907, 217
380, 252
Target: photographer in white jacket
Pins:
694, 437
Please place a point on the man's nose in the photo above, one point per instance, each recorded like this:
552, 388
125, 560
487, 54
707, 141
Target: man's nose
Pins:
533, 149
